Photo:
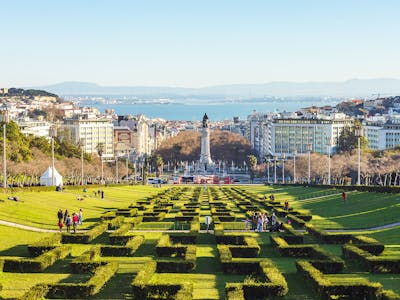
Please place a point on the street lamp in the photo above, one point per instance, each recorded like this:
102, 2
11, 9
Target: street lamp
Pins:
274, 169
116, 167
127, 164
4, 119
100, 150
283, 169
268, 160
52, 134
309, 148
328, 144
294, 165
81, 143
358, 132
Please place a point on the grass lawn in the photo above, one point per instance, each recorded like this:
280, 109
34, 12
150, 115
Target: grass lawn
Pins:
39, 209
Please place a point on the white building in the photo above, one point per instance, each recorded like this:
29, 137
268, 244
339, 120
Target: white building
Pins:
34, 127
92, 133
289, 135
382, 136
141, 140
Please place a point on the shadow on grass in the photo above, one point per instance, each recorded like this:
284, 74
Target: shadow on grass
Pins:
18, 250
114, 289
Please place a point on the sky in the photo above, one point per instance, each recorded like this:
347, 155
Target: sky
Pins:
200, 43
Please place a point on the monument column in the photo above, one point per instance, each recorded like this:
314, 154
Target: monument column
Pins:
205, 156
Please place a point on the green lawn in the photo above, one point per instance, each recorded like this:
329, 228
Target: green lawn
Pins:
38, 209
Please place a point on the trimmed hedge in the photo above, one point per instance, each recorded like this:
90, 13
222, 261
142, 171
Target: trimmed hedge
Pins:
84, 238
273, 284
375, 264
38, 291
353, 287
129, 249
87, 262
84, 290
37, 264
44, 245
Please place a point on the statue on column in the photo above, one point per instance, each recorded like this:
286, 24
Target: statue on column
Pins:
205, 121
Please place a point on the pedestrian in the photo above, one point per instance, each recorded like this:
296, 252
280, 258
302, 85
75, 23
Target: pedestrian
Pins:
68, 222
80, 216
273, 219
60, 216
286, 205
344, 197
60, 224
259, 223
75, 220
102, 194
65, 216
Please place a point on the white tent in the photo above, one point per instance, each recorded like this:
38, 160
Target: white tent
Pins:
47, 178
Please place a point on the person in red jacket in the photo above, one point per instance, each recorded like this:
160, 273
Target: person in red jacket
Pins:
75, 220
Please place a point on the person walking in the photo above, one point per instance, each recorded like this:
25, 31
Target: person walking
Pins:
60, 216
68, 222
60, 224
75, 220
344, 197
65, 216
80, 216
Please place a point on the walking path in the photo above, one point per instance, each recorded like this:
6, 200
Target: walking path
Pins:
31, 228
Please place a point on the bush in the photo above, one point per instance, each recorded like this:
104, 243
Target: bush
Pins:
37, 264
119, 236
84, 290
353, 287
44, 245
88, 236
129, 249
38, 291
87, 262
375, 264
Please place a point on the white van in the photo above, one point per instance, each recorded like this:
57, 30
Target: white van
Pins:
154, 180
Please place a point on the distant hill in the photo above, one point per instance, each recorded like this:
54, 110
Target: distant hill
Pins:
349, 88
29, 92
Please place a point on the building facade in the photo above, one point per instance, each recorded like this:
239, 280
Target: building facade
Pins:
287, 136
92, 134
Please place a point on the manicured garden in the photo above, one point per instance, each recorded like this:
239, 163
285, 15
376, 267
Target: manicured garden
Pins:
141, 242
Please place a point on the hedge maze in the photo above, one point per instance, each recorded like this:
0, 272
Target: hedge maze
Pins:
160, 248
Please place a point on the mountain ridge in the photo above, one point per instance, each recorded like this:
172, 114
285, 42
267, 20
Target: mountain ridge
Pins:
348, 88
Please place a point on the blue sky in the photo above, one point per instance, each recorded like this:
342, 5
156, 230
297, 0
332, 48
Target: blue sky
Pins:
197, 43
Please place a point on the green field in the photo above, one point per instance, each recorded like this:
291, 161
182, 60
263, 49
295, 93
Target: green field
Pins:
180, 211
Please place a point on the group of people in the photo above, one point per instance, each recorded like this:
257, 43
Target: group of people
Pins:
99, 193
69, 220
262, 222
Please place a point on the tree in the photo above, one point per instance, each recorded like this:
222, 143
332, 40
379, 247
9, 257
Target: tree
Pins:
252, 163
157, 163
348, 141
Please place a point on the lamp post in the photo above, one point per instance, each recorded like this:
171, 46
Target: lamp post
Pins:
359, 133
309, 148
268, 160
127, 164
4, 120
82, 176
283, 169
274, 169
294, 166
100, 150
52, 133
328, 145
116, 167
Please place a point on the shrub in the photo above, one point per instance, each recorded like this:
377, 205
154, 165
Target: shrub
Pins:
87, 262
84, 290
129, 249
38, 291
37, 264
44, 245
87, 237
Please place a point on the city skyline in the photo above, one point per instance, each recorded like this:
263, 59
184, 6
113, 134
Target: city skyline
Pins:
197, 44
